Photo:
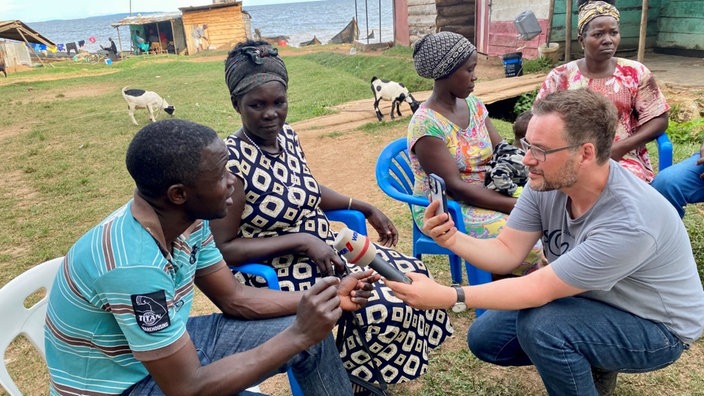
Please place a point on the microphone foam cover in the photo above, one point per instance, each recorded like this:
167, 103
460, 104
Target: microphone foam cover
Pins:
356, 248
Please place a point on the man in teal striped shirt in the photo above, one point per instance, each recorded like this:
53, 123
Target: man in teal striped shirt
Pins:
118, 317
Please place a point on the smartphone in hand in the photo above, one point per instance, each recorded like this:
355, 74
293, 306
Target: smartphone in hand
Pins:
437, 193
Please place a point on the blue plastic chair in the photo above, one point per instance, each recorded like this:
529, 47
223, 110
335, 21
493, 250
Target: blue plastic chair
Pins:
354, 220
395, 177
272, 281
664, 151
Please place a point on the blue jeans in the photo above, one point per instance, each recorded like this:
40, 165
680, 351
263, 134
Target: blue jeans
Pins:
681, 184
565, 338
318, 369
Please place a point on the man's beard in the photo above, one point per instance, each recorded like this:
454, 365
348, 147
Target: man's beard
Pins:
567, 177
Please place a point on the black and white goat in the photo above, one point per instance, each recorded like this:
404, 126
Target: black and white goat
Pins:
394, 92
150, 100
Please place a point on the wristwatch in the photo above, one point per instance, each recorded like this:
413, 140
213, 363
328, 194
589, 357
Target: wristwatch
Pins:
460, 293
459, 306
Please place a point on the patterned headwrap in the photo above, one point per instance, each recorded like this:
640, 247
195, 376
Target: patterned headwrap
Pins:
593, 9
251, 66
438, 55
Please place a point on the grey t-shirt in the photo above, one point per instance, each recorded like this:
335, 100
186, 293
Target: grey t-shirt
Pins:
630, 250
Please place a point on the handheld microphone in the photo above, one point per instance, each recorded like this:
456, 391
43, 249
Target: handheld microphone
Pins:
358, 250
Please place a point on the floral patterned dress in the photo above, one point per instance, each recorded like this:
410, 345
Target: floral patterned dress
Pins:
283, 197
471, 148
635, 93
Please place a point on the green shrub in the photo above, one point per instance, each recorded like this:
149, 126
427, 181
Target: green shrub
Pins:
686, 132
539, 65
524, 102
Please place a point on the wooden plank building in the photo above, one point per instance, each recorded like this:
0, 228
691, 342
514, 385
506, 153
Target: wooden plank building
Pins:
416, 18
667, 26
225, 21
681, 27
629, 26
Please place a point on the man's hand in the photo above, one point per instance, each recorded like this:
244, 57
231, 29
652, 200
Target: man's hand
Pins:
441, 227
355, 289
318, 311
423, 293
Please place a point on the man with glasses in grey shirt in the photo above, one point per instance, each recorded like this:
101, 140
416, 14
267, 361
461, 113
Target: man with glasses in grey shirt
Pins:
621, 293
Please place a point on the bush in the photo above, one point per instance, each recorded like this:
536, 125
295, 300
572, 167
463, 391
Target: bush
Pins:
525, 102
539, 65
686, 132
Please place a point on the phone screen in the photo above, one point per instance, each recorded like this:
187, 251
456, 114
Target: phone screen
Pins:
437, 192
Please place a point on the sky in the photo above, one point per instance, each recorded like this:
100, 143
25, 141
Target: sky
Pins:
45, 10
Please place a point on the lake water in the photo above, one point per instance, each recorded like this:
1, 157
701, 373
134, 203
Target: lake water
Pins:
324, 19
299, 21
74, 30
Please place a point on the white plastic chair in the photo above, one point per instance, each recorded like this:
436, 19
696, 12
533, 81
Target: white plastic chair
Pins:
19, 320
28, 322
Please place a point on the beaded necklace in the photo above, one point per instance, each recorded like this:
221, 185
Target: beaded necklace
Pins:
298, 201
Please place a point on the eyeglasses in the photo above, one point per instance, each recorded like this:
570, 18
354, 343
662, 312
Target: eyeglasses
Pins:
542, 154
257, 53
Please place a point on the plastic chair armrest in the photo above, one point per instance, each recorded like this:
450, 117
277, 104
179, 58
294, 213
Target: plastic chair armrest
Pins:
262, 270
664, 151
452, 206
354, 219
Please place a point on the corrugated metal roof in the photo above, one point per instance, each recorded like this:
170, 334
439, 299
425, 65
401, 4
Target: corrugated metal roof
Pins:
144, 19
17, 30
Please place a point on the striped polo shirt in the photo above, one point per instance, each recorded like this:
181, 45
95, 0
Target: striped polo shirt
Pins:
121, 297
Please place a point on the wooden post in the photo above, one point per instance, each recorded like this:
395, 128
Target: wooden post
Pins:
173, 38
568, 30
551, 12
119, 40
643, 31
379, 22
32, 47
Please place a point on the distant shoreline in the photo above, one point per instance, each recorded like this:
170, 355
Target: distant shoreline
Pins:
299, 21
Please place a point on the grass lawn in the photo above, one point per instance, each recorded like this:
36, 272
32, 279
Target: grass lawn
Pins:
64, 133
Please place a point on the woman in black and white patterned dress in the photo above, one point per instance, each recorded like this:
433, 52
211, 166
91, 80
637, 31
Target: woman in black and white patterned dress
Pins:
277, 219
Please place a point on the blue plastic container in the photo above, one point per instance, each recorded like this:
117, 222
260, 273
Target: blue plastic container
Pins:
513, 64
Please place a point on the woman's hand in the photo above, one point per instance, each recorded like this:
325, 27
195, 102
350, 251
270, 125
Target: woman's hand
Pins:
355, 289
441, 227
323, 255
388, 235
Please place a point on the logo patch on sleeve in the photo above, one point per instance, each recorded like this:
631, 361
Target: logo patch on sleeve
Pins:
194, 254
150, 311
